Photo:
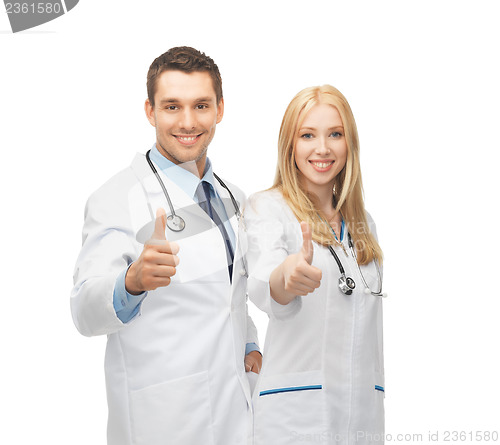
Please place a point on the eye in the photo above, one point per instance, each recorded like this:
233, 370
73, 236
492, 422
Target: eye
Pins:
171, 107
201, 106
336, 134
307, 136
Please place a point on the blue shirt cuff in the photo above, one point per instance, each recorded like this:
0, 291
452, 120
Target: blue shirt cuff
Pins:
252, 347
126, 305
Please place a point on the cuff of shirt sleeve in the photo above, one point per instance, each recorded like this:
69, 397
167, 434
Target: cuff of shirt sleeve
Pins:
126, 305
252, 347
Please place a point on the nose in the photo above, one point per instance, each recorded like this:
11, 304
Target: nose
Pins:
322, 148
187, 119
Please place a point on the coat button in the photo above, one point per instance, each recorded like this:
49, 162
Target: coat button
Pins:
242, 272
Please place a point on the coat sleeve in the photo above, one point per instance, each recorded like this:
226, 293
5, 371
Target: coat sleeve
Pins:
267, 223
252, 336
108, 248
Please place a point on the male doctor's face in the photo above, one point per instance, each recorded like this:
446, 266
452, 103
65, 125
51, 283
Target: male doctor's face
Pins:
185, 115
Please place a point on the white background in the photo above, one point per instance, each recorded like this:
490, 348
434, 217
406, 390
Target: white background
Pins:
423, 82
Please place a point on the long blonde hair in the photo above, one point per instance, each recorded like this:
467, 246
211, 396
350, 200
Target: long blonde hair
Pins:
347, 193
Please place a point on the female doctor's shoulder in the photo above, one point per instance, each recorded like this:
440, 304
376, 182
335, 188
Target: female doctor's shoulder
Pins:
264, 202
371, 225
268, 219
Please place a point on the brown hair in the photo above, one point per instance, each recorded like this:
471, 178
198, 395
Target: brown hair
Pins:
187, 60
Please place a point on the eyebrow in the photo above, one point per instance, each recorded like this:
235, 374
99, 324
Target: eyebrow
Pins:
331, 128
173, 100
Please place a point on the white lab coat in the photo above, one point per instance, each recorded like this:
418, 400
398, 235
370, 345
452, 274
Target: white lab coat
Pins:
175, 373
325, 346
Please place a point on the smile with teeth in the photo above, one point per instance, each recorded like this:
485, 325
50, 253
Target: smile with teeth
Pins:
322, 165
187, 139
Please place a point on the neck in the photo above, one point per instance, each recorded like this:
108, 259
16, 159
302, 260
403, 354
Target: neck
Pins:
324, 198
195, 166
326, 206
200, 166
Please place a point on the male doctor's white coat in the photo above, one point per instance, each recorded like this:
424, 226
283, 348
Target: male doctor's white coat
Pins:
174, 373
322, 379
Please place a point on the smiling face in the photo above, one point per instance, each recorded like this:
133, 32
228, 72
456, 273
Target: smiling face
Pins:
321, 148
185, 115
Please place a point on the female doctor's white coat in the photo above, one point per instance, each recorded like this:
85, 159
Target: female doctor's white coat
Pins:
322, 377
175, 373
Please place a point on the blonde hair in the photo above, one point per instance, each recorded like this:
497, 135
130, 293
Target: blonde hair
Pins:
347, 193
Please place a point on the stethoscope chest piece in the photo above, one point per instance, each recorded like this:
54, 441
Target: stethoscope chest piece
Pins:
346, 284
175, 223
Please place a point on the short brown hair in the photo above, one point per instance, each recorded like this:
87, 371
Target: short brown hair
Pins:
188, 60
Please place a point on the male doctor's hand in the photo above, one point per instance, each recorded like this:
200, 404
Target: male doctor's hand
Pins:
157, 262
253, 362
296, 276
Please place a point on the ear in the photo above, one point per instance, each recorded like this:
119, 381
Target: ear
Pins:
220, 110
150, 113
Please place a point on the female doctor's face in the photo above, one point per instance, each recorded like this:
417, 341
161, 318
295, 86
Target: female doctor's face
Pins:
185, 115
321, 148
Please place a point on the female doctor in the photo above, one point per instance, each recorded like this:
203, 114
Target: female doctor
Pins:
314, 268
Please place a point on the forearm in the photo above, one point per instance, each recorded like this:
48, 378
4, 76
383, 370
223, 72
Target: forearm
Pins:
277, 286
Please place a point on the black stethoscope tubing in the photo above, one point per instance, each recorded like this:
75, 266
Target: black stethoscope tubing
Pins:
175, 222
347, 284
337, 259
161, 183
233, 199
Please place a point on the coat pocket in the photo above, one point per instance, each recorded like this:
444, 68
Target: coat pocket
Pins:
288, 407
178, 411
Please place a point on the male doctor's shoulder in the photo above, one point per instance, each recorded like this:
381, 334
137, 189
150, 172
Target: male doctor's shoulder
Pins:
115, 203
238, 194
113, 188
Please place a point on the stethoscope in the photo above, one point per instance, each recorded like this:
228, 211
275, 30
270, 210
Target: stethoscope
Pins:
347, 284
176, 222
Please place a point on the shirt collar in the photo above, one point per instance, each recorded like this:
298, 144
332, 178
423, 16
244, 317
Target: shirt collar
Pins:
184, 179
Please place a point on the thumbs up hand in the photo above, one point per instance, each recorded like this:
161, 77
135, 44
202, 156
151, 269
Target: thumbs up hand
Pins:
157, 262
160, 224
307, 246
296, 275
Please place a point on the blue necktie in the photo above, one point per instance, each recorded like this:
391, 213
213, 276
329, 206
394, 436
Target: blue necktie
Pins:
203, 195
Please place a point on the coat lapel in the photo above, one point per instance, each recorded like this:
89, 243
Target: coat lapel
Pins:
239, 265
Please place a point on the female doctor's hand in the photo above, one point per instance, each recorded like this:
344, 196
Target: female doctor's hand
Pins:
296, 276
157, 262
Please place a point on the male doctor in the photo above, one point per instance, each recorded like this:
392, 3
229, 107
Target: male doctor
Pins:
179, 335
